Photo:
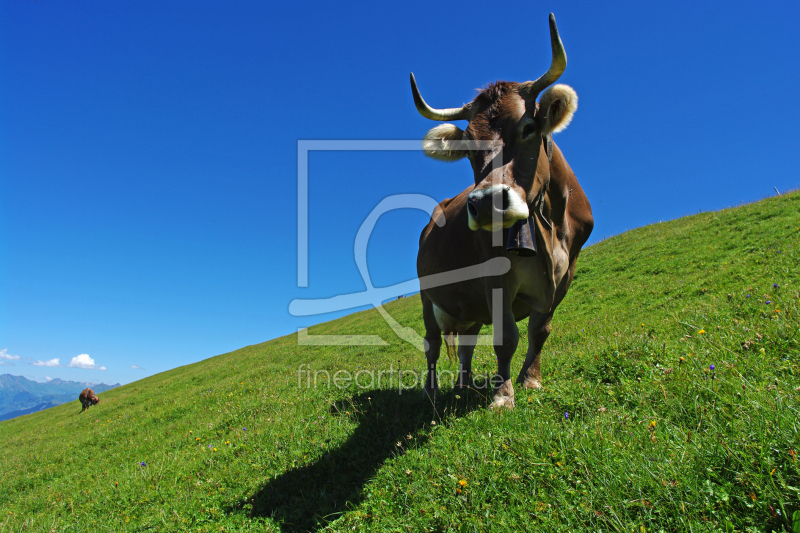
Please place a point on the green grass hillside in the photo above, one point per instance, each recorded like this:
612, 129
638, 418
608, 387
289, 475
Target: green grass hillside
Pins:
676, 356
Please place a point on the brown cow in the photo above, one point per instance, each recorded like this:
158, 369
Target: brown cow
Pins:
520, 227
88, 399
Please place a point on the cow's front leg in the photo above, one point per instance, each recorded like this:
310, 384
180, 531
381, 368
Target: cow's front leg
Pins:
538, 330
506, 339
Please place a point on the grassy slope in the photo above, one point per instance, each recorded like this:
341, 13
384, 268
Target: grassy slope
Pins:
652, 440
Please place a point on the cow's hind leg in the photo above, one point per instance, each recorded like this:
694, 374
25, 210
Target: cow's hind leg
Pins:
538, 330
466, 347
433, 346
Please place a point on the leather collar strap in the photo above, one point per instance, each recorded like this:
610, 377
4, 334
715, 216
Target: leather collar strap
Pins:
522, 234
549, 147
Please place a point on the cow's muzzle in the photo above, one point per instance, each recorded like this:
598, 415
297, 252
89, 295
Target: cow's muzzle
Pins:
495, 207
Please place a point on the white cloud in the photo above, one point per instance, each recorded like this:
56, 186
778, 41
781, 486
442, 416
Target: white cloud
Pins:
137, 367
48, 378
50, 362
5, 357
84, 361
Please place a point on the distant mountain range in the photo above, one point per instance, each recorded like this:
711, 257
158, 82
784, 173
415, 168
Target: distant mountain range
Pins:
20, 396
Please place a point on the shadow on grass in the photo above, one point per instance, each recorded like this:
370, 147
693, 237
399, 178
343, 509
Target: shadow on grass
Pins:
309, 497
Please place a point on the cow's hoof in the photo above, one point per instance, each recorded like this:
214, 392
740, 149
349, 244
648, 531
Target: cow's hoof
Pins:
532, 383
504, 397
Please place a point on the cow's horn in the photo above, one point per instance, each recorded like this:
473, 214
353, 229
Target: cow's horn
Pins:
531, 89
455, 113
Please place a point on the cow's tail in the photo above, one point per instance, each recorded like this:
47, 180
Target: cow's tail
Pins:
450, 346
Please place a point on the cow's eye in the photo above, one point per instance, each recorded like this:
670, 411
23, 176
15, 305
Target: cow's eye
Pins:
528, 130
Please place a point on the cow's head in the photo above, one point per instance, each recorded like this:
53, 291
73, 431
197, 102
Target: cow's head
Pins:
95, 400
509, 162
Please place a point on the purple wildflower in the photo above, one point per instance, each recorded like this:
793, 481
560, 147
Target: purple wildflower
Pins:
774, 285
769, 302
711, 367
209, 446
244, 429
748, 296
566, 415
142, 464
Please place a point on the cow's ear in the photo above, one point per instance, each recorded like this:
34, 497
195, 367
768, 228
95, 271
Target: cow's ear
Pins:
556, 107
444, 143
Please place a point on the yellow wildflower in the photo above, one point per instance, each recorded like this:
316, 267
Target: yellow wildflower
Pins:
701, 332
462, 482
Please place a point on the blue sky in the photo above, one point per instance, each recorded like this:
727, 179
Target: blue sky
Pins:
148, 150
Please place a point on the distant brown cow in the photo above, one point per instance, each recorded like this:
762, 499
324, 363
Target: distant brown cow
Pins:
88, 399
